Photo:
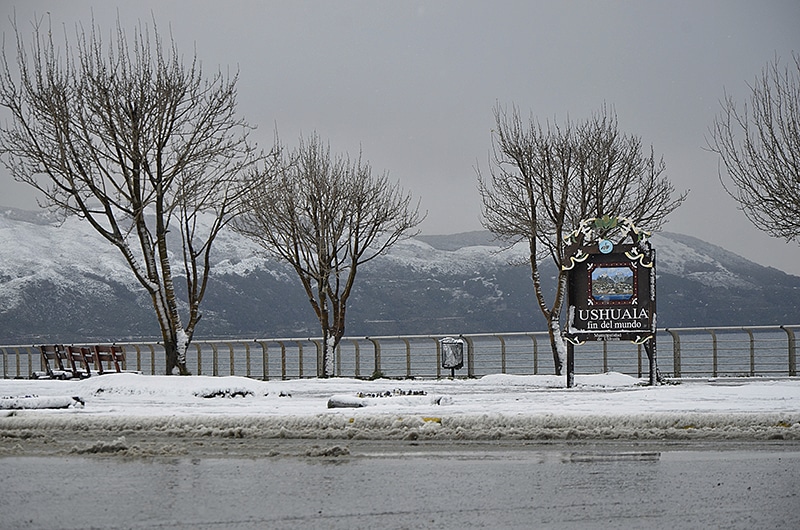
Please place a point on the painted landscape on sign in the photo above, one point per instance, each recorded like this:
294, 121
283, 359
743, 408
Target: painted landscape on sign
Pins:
612, 284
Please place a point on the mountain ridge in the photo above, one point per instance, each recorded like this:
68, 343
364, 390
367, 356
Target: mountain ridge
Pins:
61, 282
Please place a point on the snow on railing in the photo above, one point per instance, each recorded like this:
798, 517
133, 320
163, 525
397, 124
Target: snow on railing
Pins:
682, 352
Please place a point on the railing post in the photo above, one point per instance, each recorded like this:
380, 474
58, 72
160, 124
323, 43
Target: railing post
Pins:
264, 360
605, 356
318, 346
408, 357
676, 352
713, 352
470, 356
792, 351
5, 364
358, 358
214, 360
283, 359
377, 347
152, 359
246, 357
299, 358
438, 358
230, 348
199, 351
138, 357
502, 353
535, 353
752, 351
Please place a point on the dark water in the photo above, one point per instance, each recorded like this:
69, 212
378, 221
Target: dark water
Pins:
386, 486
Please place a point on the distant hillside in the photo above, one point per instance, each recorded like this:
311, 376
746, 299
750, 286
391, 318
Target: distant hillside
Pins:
60, 282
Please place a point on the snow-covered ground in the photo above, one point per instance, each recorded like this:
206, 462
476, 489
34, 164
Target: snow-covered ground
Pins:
603, 406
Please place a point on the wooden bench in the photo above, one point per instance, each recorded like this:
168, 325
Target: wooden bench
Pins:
79, 361
60, 362
52, 367
107, 357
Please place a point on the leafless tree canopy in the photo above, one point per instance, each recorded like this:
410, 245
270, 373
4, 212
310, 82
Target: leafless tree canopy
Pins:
545, 179
125, 135
759, 148
325, 215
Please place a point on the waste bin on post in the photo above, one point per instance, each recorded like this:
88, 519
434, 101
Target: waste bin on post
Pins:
452, 354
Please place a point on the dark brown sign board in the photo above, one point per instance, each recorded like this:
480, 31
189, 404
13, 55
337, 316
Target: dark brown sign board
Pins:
611, 296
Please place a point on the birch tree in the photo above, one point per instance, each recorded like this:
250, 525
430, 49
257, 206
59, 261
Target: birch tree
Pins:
326, 215
143, 147
759, 150
544, 179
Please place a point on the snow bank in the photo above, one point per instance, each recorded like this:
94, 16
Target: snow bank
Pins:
601, 406
37, 402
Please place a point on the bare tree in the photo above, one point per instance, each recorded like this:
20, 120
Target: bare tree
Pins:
545, 179
326, 216
759, 147
141, 146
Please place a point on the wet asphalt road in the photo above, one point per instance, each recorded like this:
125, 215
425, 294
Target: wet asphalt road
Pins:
388, 485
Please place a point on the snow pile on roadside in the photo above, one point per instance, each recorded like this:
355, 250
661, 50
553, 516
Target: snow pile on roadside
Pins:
39, 402
443, 427
169, 387
601, 406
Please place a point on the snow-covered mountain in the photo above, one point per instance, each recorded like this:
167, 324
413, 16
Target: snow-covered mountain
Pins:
61, 281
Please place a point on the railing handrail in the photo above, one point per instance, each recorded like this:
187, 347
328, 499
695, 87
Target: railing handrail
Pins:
19, 360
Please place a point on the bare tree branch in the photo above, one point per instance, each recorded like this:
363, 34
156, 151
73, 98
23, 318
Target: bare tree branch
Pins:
128, 137
545, 179
326, 216
759, 149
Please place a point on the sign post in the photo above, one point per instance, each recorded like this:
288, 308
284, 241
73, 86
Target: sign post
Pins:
611, 288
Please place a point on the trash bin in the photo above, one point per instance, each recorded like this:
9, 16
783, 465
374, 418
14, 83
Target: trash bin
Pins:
452, 353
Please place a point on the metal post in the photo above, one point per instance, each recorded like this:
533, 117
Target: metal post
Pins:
470, 356
438, 358
320, 368
792, 351
714, 356
153, 359
300, 359
230, 348
535, 354
377, 349
570, 365
264, 360
358, 358
408, 357
651, 350
676, 352
502, 354
247, 358
752, 351
283, 359
138, 357
214, 360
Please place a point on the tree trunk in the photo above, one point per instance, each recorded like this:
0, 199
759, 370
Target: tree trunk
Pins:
176, 355
557, 345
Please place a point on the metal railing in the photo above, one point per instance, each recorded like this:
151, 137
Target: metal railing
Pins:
682, 352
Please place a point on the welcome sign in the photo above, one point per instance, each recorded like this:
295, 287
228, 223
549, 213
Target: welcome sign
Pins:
611, 296
611, 287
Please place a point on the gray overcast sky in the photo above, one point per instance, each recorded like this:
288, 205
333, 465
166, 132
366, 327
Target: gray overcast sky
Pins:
413, 84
